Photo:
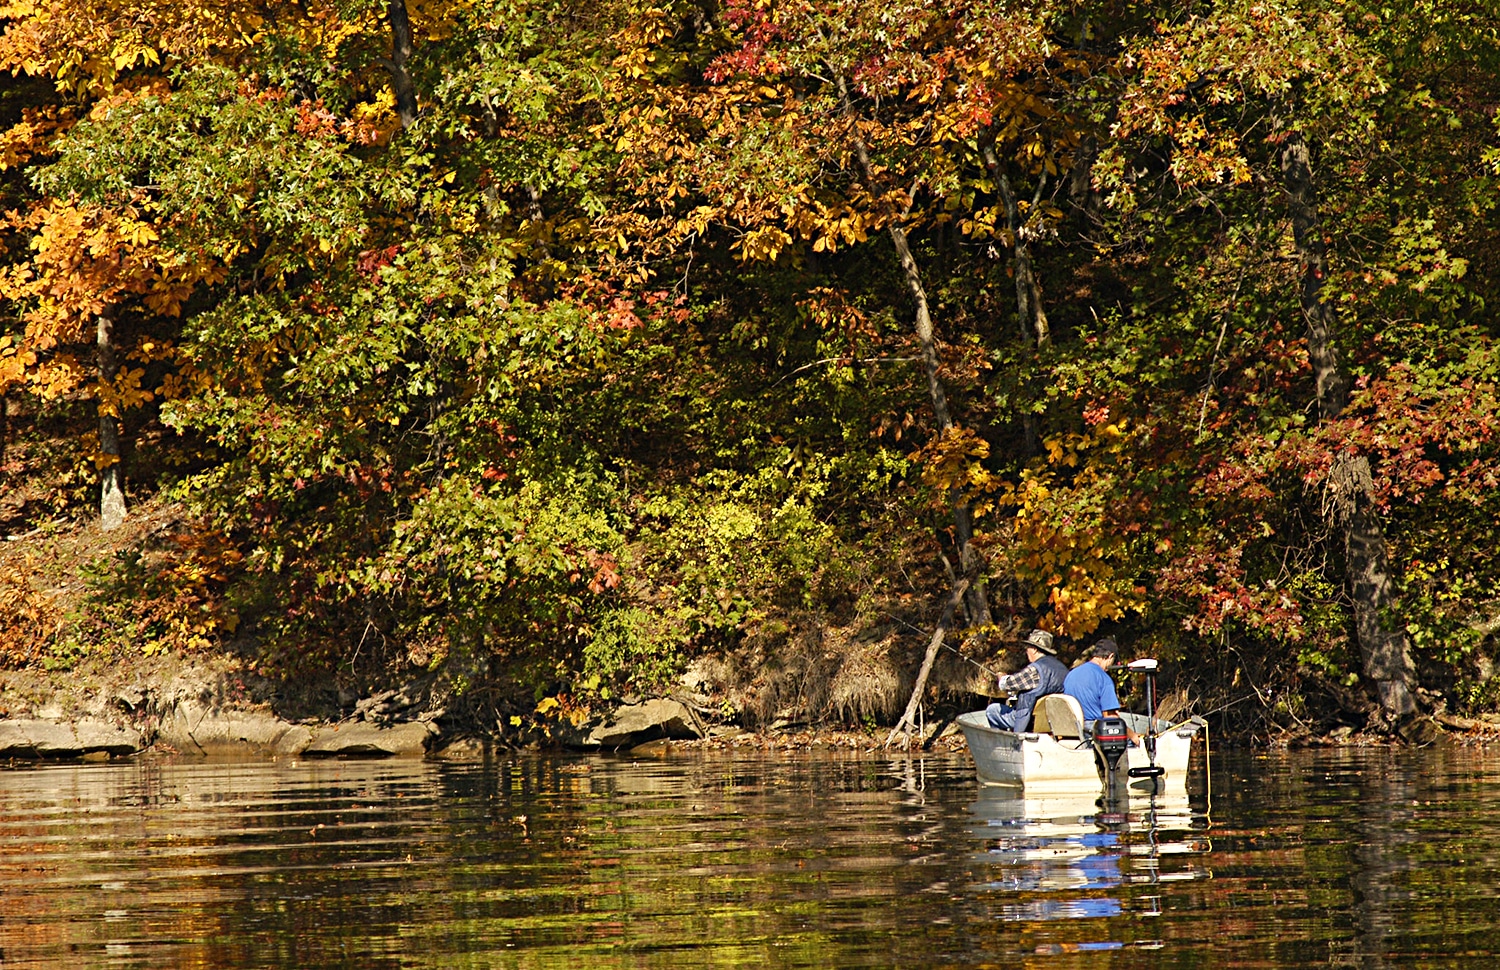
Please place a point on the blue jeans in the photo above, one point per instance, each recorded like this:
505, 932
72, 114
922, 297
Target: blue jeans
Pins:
1003, 717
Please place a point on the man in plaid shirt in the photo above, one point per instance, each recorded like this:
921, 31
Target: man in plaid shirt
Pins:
1042, 675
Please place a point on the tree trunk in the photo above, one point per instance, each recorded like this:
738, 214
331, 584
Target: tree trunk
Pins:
1081, 176
977, 603
111, 490
401, 48
1033, 319
1385, 653
1307, 232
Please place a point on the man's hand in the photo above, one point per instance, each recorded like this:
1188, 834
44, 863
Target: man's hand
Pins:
1129, 731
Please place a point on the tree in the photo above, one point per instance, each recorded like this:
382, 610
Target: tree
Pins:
1233, 95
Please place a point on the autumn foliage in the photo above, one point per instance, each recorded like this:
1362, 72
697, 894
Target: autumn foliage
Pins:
553, 346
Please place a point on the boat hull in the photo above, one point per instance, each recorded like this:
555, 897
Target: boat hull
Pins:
1043, 762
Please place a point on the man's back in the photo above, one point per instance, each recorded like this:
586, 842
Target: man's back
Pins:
1094, 690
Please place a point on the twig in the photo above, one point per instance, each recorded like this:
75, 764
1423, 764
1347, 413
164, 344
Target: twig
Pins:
850, 360
1214, 359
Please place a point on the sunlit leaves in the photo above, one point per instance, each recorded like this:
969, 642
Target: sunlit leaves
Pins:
1073, 536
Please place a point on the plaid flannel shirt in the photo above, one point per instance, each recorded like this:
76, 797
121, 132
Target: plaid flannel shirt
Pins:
1027, 678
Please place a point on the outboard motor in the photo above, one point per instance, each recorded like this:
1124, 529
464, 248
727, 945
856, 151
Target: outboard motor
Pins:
1111, 740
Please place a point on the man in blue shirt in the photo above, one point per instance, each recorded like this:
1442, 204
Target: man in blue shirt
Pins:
1090, 684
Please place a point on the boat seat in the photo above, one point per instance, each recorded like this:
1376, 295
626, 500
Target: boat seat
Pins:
1060, 715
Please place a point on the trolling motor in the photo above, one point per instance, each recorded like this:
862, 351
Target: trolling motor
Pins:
1152, 770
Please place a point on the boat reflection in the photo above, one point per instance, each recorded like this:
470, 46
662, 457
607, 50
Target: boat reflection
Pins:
1063, 856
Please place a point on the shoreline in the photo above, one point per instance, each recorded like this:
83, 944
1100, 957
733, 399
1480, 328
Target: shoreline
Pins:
251, 734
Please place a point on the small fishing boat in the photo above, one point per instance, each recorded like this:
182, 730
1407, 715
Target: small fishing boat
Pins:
1058, 754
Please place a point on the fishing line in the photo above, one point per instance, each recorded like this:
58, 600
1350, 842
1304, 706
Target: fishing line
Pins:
974, 662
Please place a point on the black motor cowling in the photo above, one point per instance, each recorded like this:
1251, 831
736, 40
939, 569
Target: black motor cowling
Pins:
1111, 739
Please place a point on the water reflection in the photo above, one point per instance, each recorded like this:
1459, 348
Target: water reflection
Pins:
1363, 858
1074, 852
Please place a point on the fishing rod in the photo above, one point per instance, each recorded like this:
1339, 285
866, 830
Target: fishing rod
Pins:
974, 662
1226, 706
945, 645
1211, 711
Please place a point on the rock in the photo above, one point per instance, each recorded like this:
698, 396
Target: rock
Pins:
1418, 730
463, 749
420, 700
364, 740
635, 724
383, 706
297, 739
48, 739
130, 699
101, 736
194, 729
37, 739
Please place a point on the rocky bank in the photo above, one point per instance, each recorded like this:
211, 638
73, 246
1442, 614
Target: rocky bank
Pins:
216, 709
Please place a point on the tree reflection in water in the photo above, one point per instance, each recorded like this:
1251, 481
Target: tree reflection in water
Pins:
1358, 857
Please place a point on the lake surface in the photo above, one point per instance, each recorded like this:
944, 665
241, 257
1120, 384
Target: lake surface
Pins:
1342, 858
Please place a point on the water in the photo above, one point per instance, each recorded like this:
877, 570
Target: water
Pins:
1330, 858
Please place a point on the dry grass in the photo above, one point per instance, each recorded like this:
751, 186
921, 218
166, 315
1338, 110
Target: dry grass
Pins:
814, 673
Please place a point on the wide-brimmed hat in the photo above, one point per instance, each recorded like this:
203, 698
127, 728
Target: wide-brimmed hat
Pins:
1041, 640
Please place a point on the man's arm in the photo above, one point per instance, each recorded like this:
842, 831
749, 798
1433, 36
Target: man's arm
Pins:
1129, 731
1110, 704
1027, 678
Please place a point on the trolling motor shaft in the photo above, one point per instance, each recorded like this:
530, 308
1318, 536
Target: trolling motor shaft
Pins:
1147, 666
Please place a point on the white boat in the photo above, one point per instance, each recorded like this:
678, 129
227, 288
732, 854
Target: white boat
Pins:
1056, 756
